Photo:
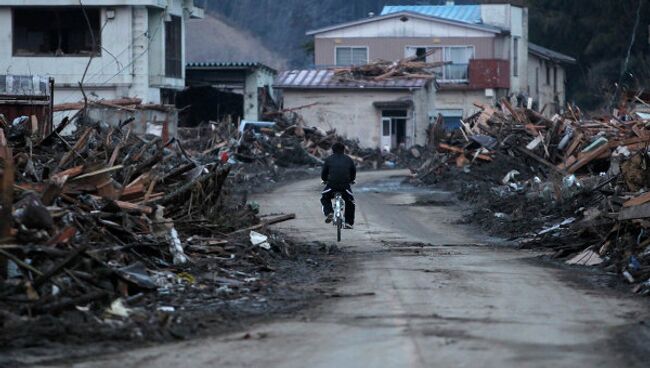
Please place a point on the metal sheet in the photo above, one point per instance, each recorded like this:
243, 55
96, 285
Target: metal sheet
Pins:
322, 79
460, 13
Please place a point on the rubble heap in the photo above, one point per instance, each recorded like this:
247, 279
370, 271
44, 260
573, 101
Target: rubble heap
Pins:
576, 185
94, 221
381, 70
288, 143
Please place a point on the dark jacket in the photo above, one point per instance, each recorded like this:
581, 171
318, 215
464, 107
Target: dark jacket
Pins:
339, 171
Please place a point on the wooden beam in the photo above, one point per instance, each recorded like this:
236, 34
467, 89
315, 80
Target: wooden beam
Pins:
635, 212
639, 200
588, 158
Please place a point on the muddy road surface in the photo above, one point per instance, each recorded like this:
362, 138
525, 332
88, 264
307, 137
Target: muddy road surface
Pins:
422, 291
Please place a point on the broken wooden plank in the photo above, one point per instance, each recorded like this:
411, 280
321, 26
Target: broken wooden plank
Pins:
634, 212
537, 158
120, 102
134, 207
454, 149
636, 201
574, 145
98, 172
59, 266
70, 173
588, 158
272, 221
74, 150
6, 191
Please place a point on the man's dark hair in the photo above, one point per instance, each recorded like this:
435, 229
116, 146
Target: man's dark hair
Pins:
338, 147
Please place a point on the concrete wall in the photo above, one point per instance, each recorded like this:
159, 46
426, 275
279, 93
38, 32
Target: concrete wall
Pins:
544, 93
353, 115
131, 61
414, 27
425, 101
462, 100
394, 48
255, 80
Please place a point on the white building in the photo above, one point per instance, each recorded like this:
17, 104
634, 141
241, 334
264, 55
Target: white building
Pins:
138, 45
488, 56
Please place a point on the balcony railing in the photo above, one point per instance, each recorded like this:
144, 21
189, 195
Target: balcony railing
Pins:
489, 73
453, 73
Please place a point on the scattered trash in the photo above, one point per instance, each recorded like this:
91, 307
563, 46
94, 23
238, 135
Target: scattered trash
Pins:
260, 240
118, 309
587, 258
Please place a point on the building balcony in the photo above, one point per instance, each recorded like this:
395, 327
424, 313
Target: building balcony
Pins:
478, 74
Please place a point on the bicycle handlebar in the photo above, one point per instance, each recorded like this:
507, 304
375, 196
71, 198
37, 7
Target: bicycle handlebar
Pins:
325, 183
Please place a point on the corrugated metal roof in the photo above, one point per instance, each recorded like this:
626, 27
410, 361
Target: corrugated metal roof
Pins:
479, 26
230, 64
461, 13
549, 54
325, 79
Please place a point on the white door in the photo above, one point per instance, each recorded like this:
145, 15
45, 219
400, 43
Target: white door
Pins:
386, 134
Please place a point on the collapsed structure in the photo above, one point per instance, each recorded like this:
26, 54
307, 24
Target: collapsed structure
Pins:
573, 184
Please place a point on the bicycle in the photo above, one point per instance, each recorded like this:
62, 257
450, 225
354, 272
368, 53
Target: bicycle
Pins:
339, 210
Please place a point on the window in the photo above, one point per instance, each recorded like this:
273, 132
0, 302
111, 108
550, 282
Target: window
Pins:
515, 57
351, 55
421, 54
537, 81
173, 48
548, 75
55, 32
451, 119
386, 127
459, 56
555, 79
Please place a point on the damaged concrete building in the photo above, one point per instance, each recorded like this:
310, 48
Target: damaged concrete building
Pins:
486, 49
250, 80
137, 45
400, 106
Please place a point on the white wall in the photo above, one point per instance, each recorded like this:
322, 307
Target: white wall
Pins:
131, 61
257, 79
414, 27
461, 100
497, 15
352, 113
546, 95
69, 70
519, 29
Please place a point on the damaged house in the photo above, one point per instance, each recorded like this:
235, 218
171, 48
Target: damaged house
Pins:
483, 52
137, 46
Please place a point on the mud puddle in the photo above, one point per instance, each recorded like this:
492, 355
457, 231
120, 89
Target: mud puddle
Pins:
400, 192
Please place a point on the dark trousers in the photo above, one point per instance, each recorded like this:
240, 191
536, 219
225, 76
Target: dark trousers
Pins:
329, 194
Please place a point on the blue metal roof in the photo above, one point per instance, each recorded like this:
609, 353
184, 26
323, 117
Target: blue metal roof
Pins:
460, 13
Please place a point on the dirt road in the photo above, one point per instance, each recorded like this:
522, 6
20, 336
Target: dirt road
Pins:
452, 304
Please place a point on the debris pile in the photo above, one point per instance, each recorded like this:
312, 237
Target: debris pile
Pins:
92, 223
577, 185
285, 142
381, 70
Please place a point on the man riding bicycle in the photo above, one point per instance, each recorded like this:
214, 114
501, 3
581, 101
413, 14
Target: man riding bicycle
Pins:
338, 173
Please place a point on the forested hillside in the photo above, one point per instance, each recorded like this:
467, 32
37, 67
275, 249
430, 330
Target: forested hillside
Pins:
596, 32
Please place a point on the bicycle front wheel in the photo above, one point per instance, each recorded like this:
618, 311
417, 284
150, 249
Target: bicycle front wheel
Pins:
338, 231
